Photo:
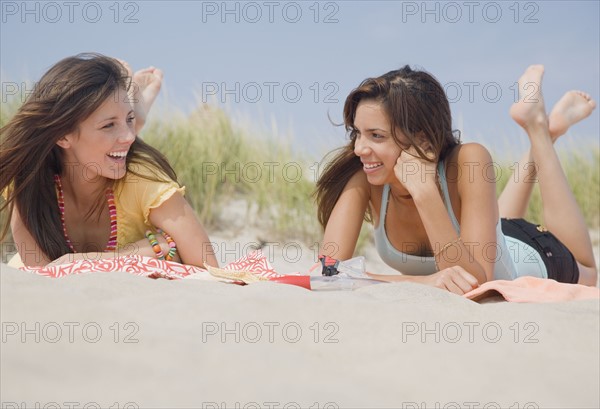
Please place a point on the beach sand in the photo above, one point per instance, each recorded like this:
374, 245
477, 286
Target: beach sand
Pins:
114, 339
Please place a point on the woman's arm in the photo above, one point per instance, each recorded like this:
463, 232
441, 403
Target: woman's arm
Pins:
32, 256
478, 206
176, 217
139, 248
474, 250
343, 226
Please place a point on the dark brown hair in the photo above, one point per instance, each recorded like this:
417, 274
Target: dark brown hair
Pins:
417, 106
65, 96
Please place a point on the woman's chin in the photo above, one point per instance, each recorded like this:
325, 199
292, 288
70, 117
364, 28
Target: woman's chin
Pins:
375, 181
377, 178
116, 173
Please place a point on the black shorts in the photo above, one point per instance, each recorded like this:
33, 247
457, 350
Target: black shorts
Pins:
559, 261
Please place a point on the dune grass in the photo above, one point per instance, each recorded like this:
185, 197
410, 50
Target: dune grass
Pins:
220, 163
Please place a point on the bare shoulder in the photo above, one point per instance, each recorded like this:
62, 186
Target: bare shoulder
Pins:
473, 169
469, 159
358, 182
471, 152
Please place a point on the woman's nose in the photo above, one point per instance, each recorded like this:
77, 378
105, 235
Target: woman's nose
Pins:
128, 134
360, 146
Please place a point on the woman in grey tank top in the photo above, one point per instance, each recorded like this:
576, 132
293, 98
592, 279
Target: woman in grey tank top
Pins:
433, 200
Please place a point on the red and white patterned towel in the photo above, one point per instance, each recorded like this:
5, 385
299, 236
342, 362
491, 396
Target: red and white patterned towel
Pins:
150, 267
254, 262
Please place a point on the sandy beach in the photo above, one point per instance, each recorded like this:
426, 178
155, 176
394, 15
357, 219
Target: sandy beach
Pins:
277, 118
117, 340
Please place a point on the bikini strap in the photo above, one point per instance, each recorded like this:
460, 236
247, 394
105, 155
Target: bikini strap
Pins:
446, 195
384, 202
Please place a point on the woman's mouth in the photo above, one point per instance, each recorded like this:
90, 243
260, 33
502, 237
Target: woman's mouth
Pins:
118, 156
372, 167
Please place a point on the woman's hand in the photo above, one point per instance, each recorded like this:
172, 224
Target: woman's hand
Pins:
454, 279
414, 172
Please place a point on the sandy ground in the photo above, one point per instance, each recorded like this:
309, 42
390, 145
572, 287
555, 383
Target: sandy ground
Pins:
116, 340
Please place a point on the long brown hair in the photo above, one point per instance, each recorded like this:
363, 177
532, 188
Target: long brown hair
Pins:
29, 157
417, 106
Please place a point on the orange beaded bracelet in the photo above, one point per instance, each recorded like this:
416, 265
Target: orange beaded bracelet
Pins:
172, 246
155, 246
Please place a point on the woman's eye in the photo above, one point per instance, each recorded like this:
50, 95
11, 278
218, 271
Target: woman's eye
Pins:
130, 119
108, 126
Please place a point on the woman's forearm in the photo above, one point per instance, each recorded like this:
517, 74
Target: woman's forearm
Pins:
448, 248
139, 248
401, 278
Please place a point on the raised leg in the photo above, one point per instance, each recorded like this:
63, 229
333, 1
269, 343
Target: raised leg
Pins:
561, 212
514, 199
570, 109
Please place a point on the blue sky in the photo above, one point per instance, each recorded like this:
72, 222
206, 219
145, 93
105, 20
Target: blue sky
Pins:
293, 63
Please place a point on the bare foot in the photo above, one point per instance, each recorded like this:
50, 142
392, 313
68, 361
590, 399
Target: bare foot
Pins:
570, 109
145, 85
529, 110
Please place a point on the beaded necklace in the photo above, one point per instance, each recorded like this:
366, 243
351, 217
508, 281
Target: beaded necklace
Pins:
112, 211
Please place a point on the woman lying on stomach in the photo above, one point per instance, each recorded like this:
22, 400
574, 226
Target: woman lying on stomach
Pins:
80, 184
433, 200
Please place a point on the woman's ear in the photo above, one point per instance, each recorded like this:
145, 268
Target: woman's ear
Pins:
65, 141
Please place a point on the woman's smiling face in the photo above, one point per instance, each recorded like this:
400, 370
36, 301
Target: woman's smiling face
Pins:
102, 142
374, 143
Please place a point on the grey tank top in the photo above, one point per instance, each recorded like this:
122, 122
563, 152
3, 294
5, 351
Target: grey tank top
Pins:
513, 257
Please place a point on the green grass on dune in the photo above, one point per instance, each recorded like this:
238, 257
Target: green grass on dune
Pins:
220, 163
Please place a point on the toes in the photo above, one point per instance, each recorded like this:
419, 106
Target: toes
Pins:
587, 97
145, 70
536, 67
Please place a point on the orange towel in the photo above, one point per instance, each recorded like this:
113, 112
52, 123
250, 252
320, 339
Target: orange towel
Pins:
533, 289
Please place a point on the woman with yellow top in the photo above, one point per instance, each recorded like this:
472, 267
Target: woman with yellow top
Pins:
78, 181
